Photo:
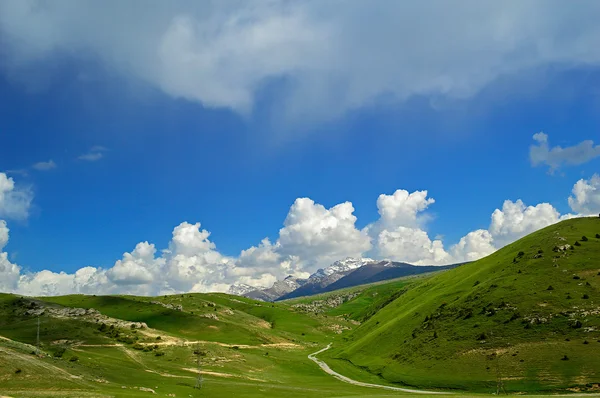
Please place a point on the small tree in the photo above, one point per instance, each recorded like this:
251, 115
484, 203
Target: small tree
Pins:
584, 238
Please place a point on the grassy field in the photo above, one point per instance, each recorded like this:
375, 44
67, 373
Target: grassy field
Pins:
529, 313
246, 348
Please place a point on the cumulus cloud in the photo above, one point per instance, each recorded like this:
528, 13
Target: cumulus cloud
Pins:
541, 153
398, 234
516, 220
319, 236
586, 196
222, 53
312, 237
45, 166
14, 201
473, 246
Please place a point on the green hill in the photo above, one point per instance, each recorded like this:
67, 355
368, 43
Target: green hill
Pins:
125, 346
528, 314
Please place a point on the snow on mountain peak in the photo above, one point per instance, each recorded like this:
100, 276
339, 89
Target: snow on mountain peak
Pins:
344, 265
239, 289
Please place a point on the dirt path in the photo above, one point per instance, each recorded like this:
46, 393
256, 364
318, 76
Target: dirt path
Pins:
348, 380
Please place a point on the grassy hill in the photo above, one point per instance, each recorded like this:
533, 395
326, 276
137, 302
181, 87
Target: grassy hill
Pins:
122, 346
529, 313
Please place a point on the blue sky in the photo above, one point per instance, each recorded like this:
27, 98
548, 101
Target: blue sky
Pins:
235, 155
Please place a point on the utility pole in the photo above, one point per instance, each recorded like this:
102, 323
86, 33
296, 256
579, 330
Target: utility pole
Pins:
199, 380
499, 382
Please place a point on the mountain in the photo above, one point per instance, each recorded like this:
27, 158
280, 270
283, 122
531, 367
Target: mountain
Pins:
278, 289
240, 289
528, 314
380, 271
326, 276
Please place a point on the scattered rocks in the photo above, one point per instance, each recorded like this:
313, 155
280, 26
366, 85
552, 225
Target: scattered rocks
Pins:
178, 307
561, 248
210, 316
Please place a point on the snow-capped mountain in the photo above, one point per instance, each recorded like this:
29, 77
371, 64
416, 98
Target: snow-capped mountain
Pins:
326, 276
240, 289
340, 267
279, 288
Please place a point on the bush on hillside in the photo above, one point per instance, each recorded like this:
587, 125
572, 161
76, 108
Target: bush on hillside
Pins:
74, 358
58, 352
577, 243
597, 236
584, 238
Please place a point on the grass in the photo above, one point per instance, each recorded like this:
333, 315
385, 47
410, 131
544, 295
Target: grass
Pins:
450, 331
494, 313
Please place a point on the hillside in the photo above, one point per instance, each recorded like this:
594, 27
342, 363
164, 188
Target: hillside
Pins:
529, 313
126, 346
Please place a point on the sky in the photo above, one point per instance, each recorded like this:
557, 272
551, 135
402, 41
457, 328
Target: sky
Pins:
154, 147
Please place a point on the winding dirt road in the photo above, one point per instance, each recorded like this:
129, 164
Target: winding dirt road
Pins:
345, 379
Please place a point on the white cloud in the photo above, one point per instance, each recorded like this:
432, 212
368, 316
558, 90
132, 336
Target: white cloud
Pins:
516, 220
14, 201
95, 153
473, 246
3, 234
319, 236
555, 157
398, 234
136, 268
45, 166
586, 196
411, 245
222, 53
312, 237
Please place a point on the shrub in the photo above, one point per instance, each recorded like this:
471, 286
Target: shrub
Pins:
159, 354
138, 346
584, 239
521, 254
235, 347
577, 243
158, 337
576, 277
540, 251
17, 371
74, 358
585, 297
476, 283
585, 342
482, 336
102, 327
550, 288
597, 236
58, 352
564, 358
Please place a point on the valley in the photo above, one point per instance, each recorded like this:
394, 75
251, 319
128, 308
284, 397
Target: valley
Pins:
526, 318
